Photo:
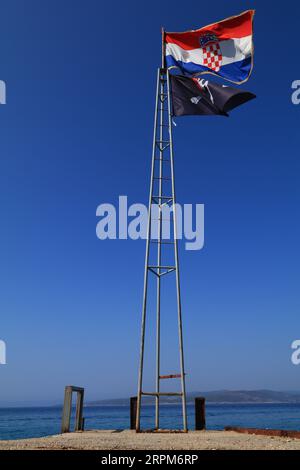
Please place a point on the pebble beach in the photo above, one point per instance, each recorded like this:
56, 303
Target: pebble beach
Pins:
129, 440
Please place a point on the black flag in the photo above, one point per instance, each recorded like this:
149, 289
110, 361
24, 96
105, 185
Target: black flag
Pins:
200, 96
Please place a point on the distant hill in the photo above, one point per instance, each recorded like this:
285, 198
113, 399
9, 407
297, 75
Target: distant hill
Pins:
220, 396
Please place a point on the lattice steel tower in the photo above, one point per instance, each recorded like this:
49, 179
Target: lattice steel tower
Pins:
162, 160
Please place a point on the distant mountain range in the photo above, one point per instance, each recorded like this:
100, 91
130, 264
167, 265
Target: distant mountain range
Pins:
220, 396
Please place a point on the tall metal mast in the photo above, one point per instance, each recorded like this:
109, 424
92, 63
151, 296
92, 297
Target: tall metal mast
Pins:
162, 193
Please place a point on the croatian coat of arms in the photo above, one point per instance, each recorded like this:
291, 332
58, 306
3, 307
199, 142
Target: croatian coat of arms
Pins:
212, 55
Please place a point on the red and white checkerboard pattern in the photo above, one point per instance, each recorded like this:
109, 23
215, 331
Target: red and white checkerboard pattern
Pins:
212, 56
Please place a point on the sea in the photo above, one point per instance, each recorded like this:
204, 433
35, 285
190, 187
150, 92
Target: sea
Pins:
20, 423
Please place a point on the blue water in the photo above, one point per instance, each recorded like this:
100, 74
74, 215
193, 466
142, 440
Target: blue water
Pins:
18, 423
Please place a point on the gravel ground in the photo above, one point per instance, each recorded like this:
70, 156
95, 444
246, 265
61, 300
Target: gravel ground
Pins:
126, 440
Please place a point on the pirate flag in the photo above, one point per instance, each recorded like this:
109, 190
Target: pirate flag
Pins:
200, 96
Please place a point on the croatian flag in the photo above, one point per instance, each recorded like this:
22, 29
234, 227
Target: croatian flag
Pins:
224, 49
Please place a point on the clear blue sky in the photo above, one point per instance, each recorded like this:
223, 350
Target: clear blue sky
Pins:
76, 132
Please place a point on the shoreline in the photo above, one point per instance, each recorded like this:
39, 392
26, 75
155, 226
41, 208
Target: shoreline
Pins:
117, 440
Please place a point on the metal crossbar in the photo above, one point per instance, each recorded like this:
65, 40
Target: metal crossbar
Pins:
162, 394
171, 376
162, 154
162, 242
